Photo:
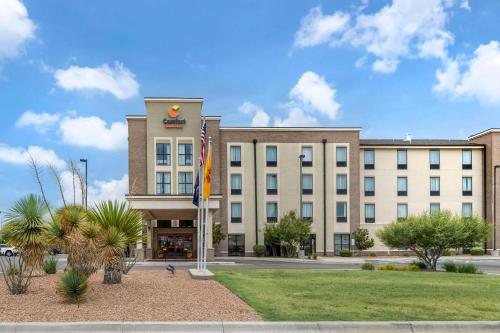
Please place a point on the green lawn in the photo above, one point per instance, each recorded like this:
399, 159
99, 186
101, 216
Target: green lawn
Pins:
364, 295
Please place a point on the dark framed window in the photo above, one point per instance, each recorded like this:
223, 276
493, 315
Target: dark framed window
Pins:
341, 214
307, 210
185, 154
272, 212
434, 159
402, 212
235, 156
236, 245
467, 159
341, 156
434, 208
307, 161
467, 209
402, 159
341, 242
435, 186
369, 186
163, 183
467, 186
163, 154
164, 224
271, 156
341, 184
236, 212
272, 184
185, 183
369, 156
370, 213
402, 186
307, 184
186, 223
235, 184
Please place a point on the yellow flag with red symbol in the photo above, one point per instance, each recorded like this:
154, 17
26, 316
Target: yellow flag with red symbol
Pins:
207, 182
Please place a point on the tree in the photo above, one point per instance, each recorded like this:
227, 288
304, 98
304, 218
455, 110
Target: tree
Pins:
363, 239
217, 234
114, 226
290, 231
429, 235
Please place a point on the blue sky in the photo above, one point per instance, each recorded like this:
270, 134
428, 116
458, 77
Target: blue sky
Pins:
71, 70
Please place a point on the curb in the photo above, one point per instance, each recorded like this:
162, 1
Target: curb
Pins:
248, 327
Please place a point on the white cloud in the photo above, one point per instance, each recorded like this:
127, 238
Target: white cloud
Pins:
314, 94
16, 28
40, 121
360, 63
465, 5
118, 81
296, 118
113, 189
402, 29
479, 79
18, 155
260, 117
94, 132
316, 28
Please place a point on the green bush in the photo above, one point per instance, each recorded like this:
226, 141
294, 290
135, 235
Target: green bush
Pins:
467, 268
367, 266
447, 253
387, 267
419, 264
345, 253
259, 250
476, 251
414, 268
50, 265
73, 286
450, 267
391, 267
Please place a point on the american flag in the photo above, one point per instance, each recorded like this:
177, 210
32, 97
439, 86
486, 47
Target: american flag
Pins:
203, 142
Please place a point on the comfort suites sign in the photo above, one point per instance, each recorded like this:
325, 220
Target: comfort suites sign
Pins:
173, 119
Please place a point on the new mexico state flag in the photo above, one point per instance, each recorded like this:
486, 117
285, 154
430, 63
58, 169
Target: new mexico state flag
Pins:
207, 182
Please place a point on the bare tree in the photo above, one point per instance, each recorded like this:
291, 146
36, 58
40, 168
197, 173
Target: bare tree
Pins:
16, 274
38, 177
57, 177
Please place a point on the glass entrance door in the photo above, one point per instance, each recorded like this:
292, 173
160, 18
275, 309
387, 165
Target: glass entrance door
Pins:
175, 246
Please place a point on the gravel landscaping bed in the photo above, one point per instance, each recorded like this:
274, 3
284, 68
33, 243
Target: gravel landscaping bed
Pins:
144, 295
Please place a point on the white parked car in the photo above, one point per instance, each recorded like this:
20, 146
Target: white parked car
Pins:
7, 250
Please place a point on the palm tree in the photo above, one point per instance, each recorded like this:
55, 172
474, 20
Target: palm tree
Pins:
26, 227
119, 226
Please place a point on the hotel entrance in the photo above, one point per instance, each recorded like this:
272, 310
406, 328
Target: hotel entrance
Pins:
174, 246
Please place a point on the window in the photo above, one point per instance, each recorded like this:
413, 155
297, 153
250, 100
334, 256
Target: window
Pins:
307, 184
341, 156
272, 184
235, 156
186, 223
236, 245
235, 212
236, 184
342, 211
402, 159
369, 186
466, 159
307, 161
185, 154
467, 186
369, 159
185, 183
307, 210
434, 159
164, 223
467, 210
163, 154
434, 208
272, 212
340, 242
271, 156
402, 186
341, 184
163, 183
402, 211
369, 213
434, 186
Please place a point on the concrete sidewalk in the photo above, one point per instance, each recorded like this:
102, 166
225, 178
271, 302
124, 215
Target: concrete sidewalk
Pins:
248, 327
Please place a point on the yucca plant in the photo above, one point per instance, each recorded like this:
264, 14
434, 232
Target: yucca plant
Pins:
73, 286
50, 265
119, 226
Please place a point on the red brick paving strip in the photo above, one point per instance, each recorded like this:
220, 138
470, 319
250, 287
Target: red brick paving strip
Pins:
144, 295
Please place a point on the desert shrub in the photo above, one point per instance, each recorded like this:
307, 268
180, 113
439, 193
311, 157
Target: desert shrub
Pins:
16, 274
450, 267
467, 268
447, 253
368, 266
345, 253
362, 239
477, 251
73, 286
387, 267
50, 265
414, 268
259, 250
419, 264
128, 263
392, 267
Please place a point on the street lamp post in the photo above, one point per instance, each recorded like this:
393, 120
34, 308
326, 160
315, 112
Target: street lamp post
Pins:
84, 160
301, 157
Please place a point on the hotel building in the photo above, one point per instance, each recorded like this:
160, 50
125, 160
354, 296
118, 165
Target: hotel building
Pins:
347, 182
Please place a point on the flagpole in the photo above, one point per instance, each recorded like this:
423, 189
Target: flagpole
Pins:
200, 229
198, 223
205, 248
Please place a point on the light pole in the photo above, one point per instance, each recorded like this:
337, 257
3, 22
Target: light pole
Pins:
301, 157
84, 160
